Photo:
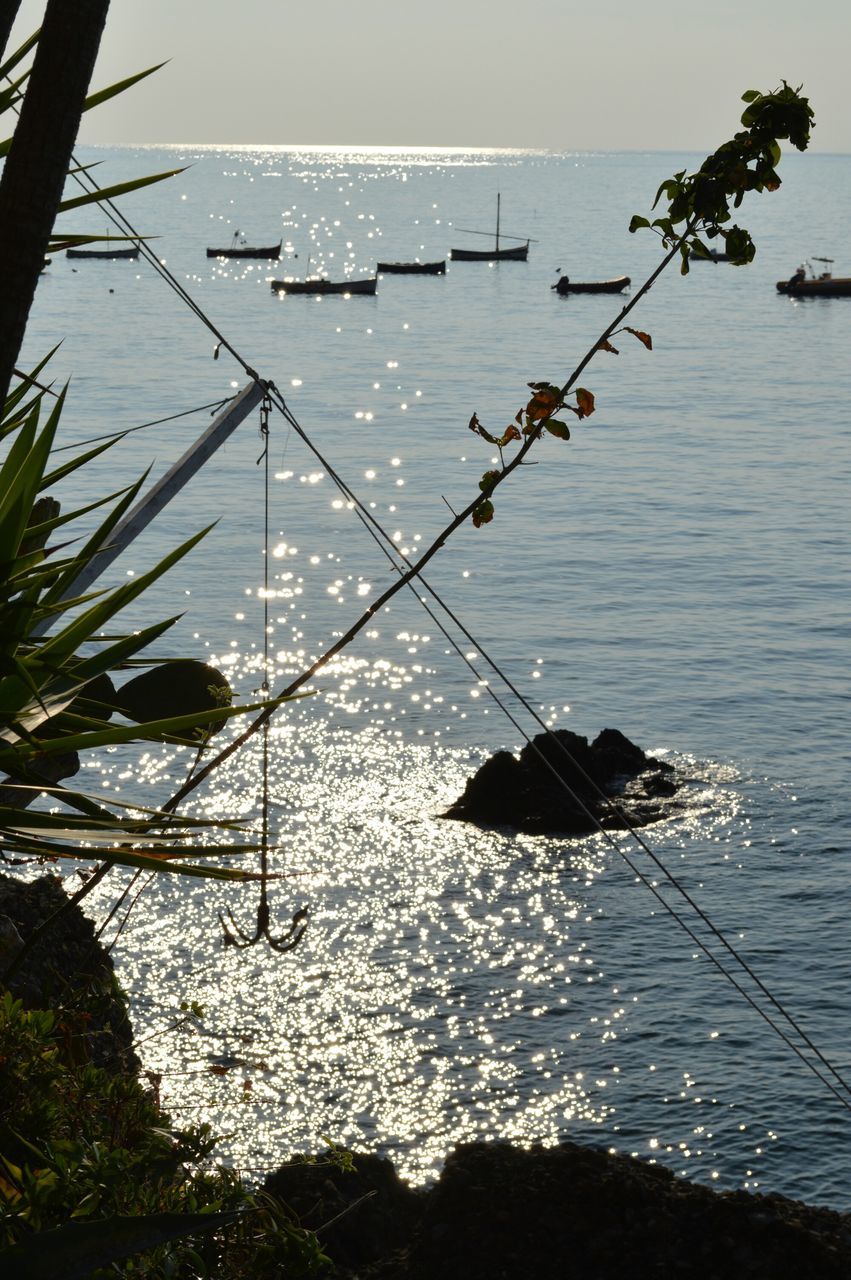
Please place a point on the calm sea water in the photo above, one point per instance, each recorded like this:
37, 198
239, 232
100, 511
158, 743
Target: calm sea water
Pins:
678, 571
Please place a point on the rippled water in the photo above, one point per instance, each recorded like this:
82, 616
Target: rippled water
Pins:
679, 571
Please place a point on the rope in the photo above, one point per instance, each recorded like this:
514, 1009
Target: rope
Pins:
381, 535
214, 406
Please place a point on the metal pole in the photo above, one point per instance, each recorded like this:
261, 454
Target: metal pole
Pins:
140, 516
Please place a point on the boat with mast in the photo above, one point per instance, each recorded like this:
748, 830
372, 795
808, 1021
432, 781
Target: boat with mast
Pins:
518, 253
239, 249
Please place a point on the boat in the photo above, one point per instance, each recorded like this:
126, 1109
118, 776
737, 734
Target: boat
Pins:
519, 253
712, 255
824, 285
246, 251
412, 268
132, 252
565, 285
320, 285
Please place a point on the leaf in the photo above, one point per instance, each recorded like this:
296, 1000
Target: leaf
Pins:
750, 95
120, 189
637, 222
543, 403
483, 514
103, 95
641, 336
76, 1249
19, 55
559, 429
488, 480
476, 426
605, 345
585, 401
510, 433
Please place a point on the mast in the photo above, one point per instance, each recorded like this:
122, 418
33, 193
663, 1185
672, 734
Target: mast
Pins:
497, 222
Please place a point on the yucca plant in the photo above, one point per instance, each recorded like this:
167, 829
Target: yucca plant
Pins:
56, 690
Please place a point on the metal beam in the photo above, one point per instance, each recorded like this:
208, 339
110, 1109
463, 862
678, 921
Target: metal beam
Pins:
141, 515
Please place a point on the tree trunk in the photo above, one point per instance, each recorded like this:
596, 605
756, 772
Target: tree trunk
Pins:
8, 14
34, 174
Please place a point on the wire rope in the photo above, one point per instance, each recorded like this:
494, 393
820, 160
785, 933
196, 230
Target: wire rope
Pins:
380, 535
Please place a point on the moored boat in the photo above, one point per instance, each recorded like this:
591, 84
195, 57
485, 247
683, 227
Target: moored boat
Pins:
412, 268
616, 285
319, 285
132, 252
247, 251
518, 253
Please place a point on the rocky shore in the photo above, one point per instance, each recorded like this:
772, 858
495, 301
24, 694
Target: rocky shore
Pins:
497, 1212
500, 1212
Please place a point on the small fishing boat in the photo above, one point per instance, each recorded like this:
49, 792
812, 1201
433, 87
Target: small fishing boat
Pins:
239, 249
566, 285
412, 268
824, 285
132, 252
518, 253
319, 285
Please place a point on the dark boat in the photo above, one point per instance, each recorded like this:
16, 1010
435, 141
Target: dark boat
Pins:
518, 254
714, 255
247, 251
132, 252
826, 285
412, 268
325, 286
566, 285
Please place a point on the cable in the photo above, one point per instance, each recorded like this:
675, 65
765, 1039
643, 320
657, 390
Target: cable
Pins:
368, 520
214, 405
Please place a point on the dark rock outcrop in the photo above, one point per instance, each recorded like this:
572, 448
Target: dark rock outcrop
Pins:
502, 1213
561, 785
67, 969
363, 1213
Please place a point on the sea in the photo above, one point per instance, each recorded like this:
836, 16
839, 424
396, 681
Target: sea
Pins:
678, 570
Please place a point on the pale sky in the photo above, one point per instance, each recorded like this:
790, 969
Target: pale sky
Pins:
555, 74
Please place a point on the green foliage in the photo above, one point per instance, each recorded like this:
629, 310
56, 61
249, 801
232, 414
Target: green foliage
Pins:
79, 1145
12, 94
699, 204
56, 692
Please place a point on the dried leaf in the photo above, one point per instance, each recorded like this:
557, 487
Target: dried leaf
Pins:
510, 433
542, 404
605, 345
641, 336
585, 401
476, 426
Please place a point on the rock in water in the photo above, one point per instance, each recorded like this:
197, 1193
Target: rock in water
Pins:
561, 785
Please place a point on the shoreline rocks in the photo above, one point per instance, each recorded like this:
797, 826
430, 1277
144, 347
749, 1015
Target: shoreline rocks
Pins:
500, 1212
562, 785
